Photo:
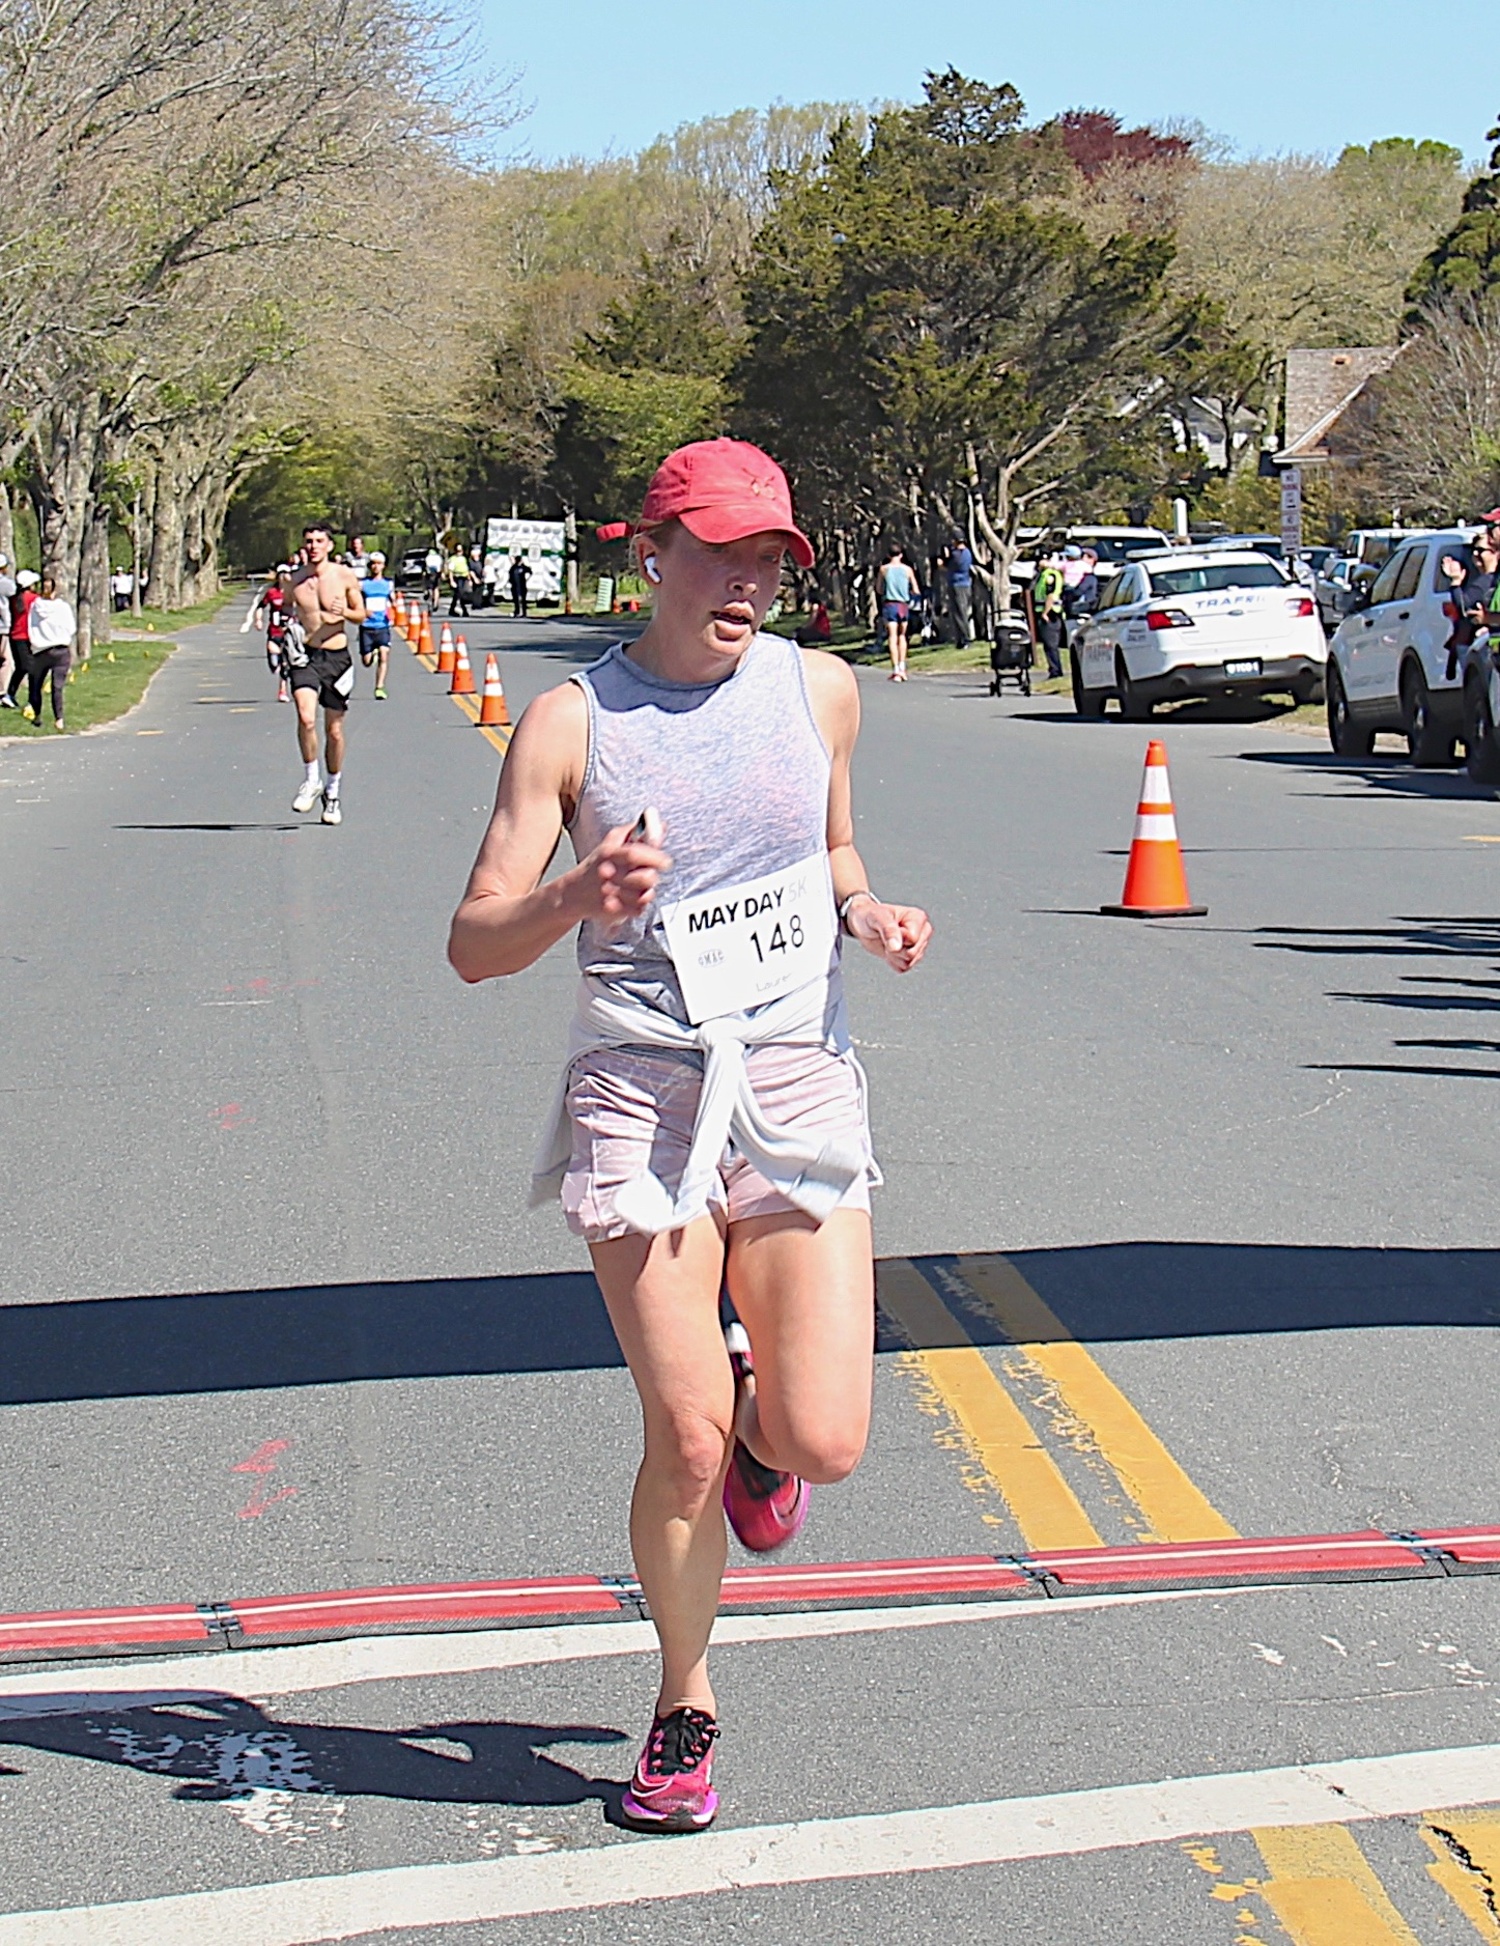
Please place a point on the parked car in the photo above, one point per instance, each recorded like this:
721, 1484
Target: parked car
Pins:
1113, 545
1333, 586
1392, 664
1261, 543
1374, 546
1210, 622
412, 572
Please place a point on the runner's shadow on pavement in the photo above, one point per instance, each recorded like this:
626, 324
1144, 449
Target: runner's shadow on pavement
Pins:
221, 1748
210, 827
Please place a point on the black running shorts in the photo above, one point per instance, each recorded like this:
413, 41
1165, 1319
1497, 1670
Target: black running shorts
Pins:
373, 636
330, 672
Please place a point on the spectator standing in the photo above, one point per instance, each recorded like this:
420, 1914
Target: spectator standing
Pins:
959, 565
121, 588
520, 585
489, 579
52, 627
7, 596
1474, 602
20, 636
457, 572
1081, 592
1047, 620
898, 590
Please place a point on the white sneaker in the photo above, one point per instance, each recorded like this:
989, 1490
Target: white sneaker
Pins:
308, 794
332, 813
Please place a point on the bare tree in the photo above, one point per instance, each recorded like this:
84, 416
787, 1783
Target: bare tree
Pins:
1434, 418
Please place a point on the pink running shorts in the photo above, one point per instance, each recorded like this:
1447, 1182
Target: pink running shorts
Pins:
634, 1110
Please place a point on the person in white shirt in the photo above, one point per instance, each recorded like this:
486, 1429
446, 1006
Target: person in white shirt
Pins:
122, 587
53, 628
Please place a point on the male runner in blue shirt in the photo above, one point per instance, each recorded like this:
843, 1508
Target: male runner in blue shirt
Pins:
375, 629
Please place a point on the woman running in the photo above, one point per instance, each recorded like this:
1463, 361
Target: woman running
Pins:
710, 1128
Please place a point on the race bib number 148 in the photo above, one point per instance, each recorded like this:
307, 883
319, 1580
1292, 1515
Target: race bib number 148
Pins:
742, 945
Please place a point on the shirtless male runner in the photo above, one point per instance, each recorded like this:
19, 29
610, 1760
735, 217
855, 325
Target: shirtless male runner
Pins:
325, 595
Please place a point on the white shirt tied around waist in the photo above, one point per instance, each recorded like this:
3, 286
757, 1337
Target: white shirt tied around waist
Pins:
812, 1171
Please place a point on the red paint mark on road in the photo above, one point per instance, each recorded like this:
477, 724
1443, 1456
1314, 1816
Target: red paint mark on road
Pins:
230, 1117
256, 1505
263, 1459
263, 1462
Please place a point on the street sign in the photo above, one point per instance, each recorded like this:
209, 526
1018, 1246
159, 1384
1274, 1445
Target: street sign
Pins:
1291, 509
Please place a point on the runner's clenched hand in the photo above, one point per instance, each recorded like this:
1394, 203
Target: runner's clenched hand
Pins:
618, 879
898, 934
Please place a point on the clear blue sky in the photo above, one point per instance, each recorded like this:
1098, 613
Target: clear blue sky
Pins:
1306, 75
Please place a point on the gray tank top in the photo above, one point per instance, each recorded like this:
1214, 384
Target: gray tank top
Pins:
738, 770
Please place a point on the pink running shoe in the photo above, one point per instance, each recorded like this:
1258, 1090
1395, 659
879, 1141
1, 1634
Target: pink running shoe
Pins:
766, 1509
671, 1788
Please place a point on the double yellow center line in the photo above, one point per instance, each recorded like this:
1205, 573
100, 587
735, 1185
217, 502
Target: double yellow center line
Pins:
1004, 1450
500, 738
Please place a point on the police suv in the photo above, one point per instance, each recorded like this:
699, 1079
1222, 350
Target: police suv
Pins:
1211, 622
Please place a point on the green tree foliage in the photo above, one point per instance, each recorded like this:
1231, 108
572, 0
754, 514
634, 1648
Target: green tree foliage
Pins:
932, 339
1465, 262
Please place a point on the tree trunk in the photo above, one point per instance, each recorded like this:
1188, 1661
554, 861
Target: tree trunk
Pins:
7, 526
93, 581
166, 533
65, 447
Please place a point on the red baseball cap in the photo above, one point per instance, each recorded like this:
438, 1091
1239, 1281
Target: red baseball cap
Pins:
1492, 518
724, 490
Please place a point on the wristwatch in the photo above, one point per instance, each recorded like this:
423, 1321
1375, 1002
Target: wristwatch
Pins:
864, 892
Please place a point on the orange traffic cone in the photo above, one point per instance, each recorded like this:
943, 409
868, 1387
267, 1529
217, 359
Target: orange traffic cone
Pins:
445, 641
398, 613
446, 657
1155, 882
424, 634
463, 683
492, 711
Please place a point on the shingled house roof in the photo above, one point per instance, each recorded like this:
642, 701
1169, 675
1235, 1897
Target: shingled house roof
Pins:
1321, 386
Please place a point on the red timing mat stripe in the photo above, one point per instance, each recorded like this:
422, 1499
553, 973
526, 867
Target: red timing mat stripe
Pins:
1368, 1556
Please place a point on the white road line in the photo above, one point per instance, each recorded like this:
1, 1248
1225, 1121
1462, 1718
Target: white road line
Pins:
264, 1673
1068, 1823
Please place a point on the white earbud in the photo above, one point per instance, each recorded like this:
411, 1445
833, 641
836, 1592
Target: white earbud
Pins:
650, 569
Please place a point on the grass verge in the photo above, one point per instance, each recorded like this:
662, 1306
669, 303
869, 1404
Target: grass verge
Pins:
99, 691
168, 621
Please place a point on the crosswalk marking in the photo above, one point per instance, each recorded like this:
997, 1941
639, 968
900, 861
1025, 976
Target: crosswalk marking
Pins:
995, 1432
1466, 1846
1173, 1507
299, 1911
1324, 1892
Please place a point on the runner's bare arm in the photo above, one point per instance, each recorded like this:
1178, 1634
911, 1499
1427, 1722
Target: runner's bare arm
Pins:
898, 934
507, 918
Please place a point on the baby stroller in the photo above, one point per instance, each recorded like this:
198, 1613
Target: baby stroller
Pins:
1010, 654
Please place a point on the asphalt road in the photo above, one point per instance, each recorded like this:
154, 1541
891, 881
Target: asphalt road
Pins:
273, 1318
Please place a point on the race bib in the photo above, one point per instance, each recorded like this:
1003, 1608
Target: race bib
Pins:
742, 945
